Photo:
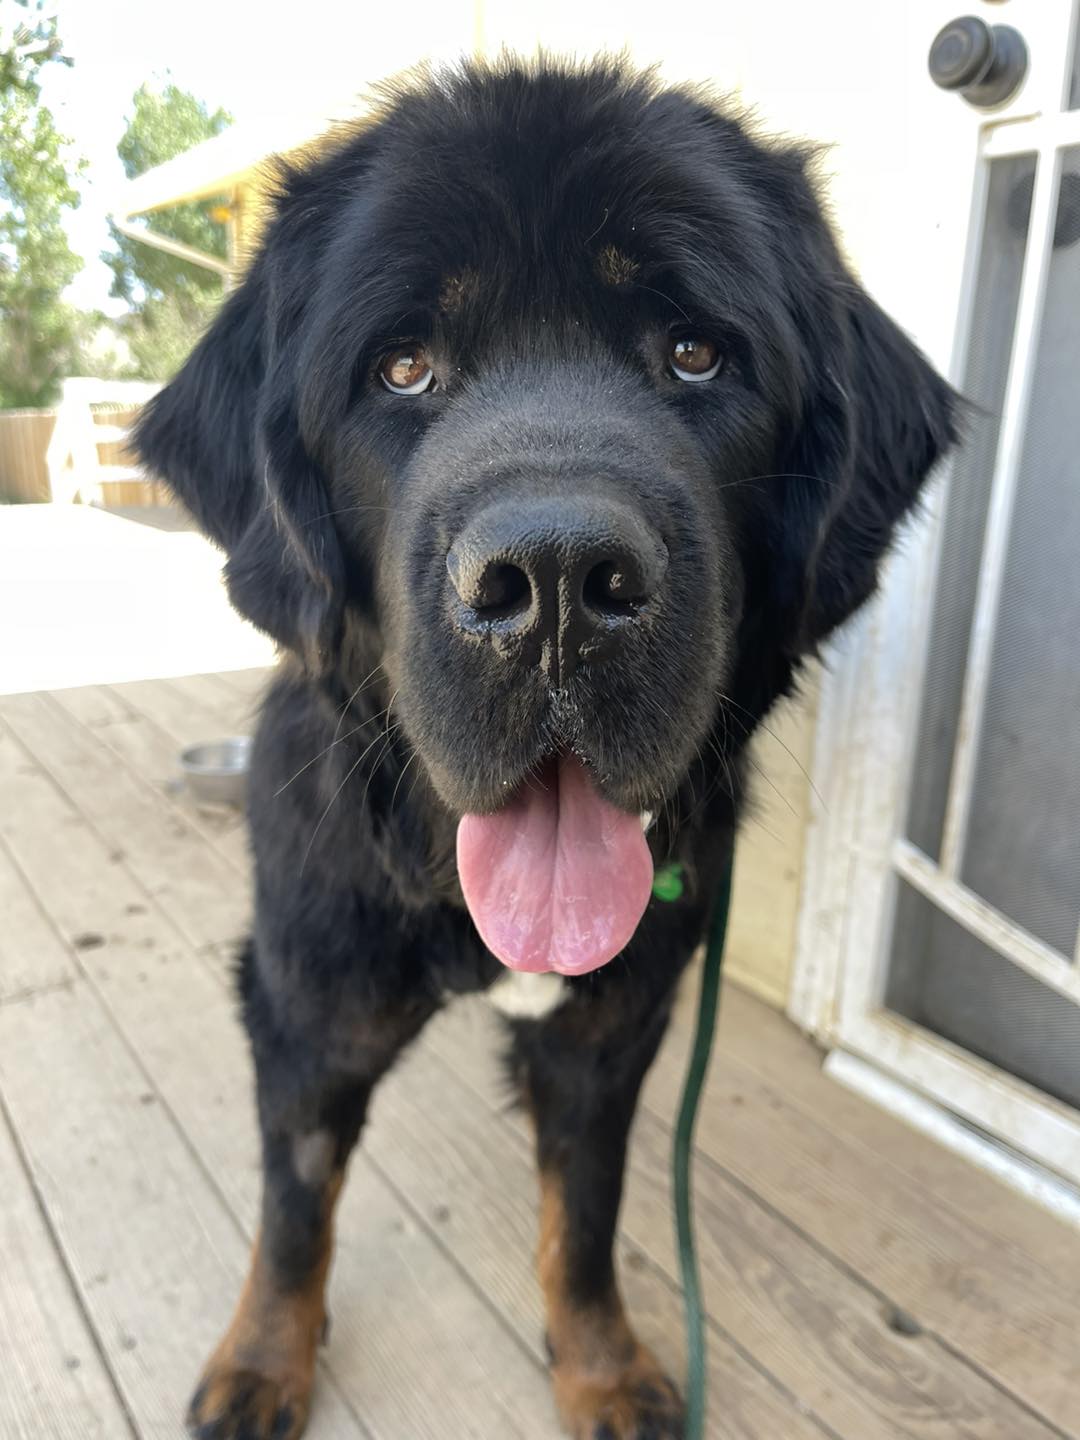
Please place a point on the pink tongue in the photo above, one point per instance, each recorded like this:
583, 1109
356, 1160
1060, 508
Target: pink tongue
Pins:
558, 879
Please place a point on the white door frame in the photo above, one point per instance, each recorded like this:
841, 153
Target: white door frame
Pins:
871, 690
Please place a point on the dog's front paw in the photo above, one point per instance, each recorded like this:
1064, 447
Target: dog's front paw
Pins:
238, 1404
636, 1402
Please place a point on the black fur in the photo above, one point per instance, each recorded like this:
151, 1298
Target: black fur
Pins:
472, 215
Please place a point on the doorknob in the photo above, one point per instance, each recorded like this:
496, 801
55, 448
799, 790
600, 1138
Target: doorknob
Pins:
985, 63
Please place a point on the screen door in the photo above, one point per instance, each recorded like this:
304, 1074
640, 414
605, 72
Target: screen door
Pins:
961, 965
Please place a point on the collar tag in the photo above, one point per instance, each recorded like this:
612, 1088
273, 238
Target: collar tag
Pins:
668, 881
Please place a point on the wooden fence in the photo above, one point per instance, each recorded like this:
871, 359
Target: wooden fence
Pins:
24, 439
24, 474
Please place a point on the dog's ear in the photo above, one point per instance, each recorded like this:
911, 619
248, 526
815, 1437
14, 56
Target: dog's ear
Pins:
225, 437
877, 421
871, 420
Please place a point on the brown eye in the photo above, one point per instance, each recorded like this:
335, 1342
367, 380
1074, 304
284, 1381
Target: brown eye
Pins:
693, 358
407, 371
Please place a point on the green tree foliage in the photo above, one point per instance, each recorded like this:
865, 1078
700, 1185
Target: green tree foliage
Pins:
40, 333
28, 40
171, 299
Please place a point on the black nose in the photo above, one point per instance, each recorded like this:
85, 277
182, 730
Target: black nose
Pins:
554, 581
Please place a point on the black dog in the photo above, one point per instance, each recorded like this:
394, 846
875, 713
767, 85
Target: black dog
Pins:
548, 433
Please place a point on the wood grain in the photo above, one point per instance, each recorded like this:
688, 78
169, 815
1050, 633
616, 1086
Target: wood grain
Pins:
827, 1230
53, 1384
152, 755
990, 1294
250, 684
412, 1339
31, 955
191, 707
153, 1250
208, 902
476, 1180
825, 1335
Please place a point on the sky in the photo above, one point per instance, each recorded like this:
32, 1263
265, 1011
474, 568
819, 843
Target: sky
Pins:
251, 60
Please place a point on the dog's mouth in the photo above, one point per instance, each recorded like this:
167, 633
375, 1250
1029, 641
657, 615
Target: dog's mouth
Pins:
558, 878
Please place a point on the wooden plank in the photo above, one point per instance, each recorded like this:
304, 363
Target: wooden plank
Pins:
71, 902
766, 1043
53, 1385
207, 902
249, 683
93, 704
31, 955
149, 753
415, 1347
1000, 1304
184, 721
442, 1353
825, 1335
164, 717
218, 697
190, 708
145, 748
476, 1180
91, 899
412, 1345
151, 1247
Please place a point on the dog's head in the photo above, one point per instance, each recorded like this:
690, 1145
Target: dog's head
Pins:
553, 384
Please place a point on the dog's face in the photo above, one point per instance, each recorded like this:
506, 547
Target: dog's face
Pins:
554, 387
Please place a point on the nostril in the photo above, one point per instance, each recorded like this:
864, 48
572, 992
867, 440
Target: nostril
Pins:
489, 588
501, 591
613, 589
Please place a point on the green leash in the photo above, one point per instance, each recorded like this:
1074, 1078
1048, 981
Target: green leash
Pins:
669, 887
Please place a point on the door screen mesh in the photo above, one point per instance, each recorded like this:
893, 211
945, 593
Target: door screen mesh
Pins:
1023, 843
1021, 851
997, 294
945, 979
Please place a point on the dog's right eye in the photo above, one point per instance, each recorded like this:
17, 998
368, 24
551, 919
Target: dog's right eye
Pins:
693, 358
407, 371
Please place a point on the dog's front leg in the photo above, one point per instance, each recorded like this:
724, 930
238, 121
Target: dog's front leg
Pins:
312, 1104
580, 1072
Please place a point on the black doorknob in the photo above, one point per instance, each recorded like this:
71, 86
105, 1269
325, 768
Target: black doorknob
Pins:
985, 63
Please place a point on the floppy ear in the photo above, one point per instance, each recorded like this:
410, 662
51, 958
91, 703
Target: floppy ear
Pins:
879, 420
225, 437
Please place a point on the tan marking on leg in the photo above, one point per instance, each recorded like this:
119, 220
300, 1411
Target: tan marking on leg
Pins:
600, 1372
264, 1366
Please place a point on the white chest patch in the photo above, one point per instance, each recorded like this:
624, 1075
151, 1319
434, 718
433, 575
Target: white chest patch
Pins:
523, 996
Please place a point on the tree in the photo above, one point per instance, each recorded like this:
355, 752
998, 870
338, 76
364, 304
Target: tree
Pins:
172, 300
28, 40
40, 331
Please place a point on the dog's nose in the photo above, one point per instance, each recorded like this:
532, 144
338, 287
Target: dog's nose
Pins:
555, 581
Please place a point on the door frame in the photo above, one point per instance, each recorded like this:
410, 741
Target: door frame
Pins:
869, 705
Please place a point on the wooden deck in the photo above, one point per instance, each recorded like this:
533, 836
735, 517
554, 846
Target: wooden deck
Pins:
862, 1283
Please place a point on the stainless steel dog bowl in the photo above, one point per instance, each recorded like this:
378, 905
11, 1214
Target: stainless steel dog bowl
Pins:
216, 771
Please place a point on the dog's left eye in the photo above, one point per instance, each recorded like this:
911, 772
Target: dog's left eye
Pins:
694, 358
407, 371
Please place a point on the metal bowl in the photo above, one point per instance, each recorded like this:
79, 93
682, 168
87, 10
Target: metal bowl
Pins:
216, 771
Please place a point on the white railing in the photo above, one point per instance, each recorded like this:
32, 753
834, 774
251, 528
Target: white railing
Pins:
76, 471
